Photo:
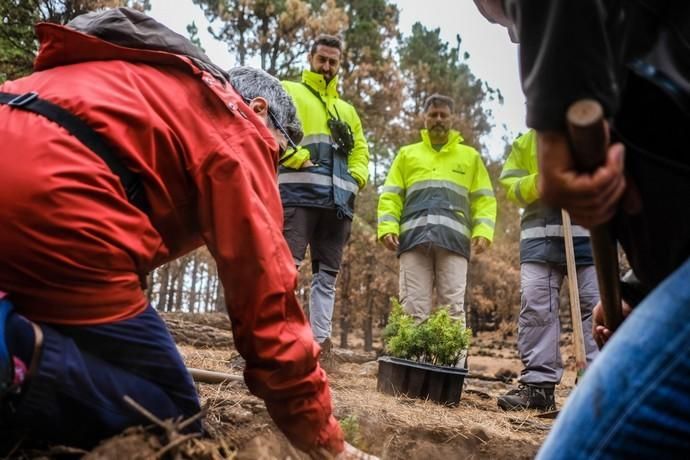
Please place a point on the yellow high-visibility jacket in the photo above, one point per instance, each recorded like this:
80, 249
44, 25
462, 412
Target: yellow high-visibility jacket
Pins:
335, 179
541, 235
441, 197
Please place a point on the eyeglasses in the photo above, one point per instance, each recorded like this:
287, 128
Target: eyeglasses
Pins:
283, 152
291, 148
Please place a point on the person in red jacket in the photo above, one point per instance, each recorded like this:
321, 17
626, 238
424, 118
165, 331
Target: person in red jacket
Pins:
120, 154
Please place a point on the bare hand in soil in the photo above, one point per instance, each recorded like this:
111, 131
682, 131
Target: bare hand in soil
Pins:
352, 453
600, 332
349, 453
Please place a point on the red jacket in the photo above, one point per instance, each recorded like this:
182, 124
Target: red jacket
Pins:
72, 248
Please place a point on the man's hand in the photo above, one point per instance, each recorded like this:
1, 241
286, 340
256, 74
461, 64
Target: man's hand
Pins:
352, 453
600, 332
349, 453
390, 241
591, 199
307, 164
479, 244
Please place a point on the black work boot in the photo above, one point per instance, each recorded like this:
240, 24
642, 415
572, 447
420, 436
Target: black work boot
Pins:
531, 396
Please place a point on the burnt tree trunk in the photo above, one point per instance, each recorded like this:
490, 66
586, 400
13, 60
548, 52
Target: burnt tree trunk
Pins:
192, 287
164, 279
369, 318
219, 304
172, 287
368, 323
150, 281
471, 313
209, 289
345, 304
181, 274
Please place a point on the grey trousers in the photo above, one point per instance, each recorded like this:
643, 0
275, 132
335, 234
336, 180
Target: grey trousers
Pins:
423, 268
321, 303
539, 328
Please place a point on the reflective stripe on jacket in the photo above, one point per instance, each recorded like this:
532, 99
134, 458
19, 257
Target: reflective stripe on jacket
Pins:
541, 236
335, 179
440, 197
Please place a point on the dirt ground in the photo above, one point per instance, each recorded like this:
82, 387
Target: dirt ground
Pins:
238, 425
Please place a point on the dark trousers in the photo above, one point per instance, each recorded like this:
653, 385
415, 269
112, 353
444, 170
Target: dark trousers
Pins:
84, 372
326, 232
657, 240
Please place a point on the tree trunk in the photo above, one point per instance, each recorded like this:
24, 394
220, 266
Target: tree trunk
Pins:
203, 279
368, 323
164, 277
209, 289
471, 312
172, 289
220, 297
150, 281
345, 304
369, 319
181, 272
192, 289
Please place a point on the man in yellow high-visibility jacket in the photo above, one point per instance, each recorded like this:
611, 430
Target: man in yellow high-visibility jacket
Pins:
320, 180
437, 206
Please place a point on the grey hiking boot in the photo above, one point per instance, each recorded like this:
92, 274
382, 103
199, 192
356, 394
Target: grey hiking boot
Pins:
534, 396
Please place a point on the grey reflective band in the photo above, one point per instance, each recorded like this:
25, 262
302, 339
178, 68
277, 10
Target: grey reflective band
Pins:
345, 185
459, 189
435, 219
551, 231
304, 178
387, 218
514, 173
481, 192
518, 194
485, 221
393, 189
315, 139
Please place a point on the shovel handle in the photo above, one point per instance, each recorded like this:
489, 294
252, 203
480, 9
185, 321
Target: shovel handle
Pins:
588, 139
206, 376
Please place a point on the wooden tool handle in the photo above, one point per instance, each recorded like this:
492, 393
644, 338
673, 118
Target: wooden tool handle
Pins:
588, 140
574, 294
205, 376
587, 134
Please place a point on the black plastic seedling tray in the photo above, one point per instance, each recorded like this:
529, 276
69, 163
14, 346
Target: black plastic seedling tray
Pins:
420, 380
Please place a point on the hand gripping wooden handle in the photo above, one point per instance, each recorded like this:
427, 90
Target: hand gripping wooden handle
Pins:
588, 139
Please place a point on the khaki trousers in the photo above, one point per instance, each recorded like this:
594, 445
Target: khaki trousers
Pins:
425, 267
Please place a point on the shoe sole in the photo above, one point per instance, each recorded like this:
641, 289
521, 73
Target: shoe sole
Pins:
506, 406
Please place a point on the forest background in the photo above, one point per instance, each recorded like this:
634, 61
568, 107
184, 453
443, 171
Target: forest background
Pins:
386, 76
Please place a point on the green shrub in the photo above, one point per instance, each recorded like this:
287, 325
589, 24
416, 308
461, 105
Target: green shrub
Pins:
438, 340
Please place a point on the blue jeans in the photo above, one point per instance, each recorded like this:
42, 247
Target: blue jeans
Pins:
634, 401
84, 372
